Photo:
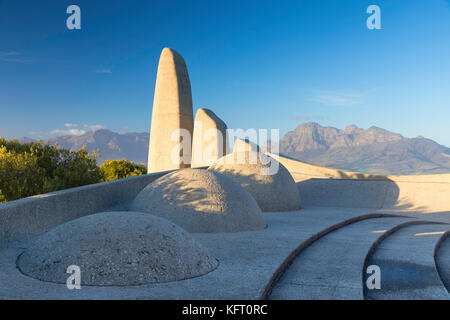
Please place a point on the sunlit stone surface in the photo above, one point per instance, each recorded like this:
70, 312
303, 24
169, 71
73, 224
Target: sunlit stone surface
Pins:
210, 141
267, 180
117, 248
201, 201
172, 111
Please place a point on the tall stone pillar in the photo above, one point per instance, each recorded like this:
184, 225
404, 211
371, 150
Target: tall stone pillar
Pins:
210, 141
170, 147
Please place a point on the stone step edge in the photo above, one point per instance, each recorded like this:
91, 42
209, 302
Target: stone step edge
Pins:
383, 237
305, 244
436, 249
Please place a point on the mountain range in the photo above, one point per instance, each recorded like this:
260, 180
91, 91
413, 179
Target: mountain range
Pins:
132, 146
374, 151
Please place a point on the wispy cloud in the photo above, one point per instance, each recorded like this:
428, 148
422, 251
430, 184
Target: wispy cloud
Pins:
70, 125
94, 127
9, 54
72, 130
306, 117
13, 56
332, 98
69, 132
103, 71
37, 134
335, 99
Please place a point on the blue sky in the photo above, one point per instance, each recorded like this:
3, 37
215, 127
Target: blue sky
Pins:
257, 64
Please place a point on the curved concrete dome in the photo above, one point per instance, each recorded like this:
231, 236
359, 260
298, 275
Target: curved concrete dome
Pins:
267, 180
201, 201
117, 249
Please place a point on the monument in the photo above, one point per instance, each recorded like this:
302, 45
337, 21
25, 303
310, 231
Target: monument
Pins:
117, 248
201, 201
172, 116
210, 141
274, 189
232, 231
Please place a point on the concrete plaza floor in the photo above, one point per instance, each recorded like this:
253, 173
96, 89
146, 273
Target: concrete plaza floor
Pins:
313, 253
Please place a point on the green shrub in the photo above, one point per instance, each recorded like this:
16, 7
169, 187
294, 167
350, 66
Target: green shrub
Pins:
28, 169
119, 169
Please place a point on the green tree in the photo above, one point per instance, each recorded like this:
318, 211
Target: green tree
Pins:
28, 169
119, 169
20, 175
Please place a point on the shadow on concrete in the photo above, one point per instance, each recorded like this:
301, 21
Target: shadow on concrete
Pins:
183, 192
352, 193
365, 193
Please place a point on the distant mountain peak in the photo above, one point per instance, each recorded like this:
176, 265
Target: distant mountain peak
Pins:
351, 129
132, 146
375, 150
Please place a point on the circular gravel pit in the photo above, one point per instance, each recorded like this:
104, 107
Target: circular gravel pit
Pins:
117, 249
201, 201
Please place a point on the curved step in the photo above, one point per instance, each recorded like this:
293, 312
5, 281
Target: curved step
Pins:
442, 258
330, 268
407, 264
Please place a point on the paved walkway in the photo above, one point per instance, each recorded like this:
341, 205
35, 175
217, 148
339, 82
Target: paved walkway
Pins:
408, 267
249, 262
331, 268
443, 262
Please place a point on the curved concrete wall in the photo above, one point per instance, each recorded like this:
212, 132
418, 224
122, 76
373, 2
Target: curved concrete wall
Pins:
27, 216
318, 187
321, 186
